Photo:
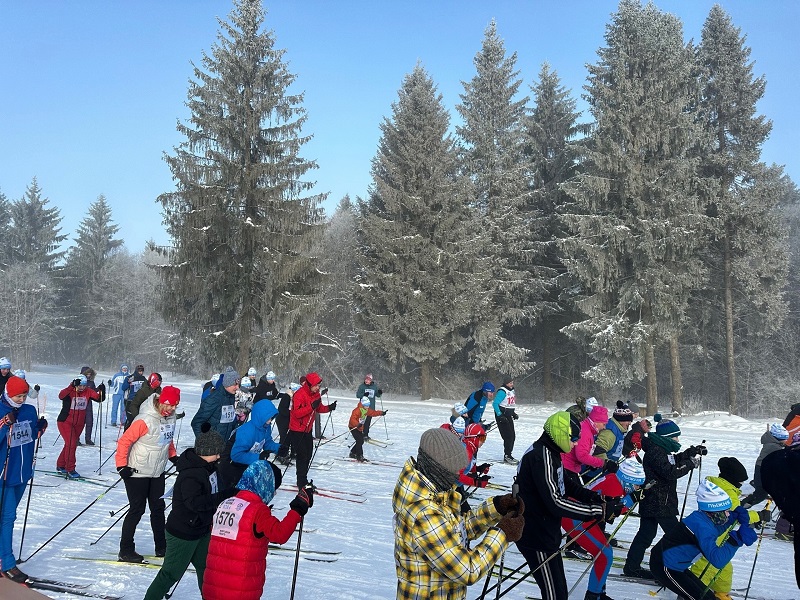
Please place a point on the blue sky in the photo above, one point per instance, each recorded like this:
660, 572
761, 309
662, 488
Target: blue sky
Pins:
92, 89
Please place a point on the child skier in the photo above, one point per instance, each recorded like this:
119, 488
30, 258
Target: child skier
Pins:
697, 535
474, 474
356, 425
249, 443
242, 530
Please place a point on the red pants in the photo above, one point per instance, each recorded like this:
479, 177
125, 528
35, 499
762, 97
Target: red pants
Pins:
70, 431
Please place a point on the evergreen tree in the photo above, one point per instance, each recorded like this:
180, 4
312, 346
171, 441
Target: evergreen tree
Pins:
748, 253
35, 237
637, 218
492, 156
551, 128
415, 291
241, 281
5, 224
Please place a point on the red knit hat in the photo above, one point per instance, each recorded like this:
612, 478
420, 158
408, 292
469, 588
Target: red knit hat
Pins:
16, 386
170, 395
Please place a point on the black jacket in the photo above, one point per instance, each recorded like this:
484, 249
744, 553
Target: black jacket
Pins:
264, 389
548, 496
661, 500
193, 503
780, 476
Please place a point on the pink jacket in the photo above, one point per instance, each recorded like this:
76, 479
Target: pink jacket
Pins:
581, 454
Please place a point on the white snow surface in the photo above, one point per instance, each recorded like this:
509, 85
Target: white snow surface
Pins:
362, 532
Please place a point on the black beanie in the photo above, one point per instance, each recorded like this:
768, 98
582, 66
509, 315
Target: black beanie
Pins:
278, 475
732, 470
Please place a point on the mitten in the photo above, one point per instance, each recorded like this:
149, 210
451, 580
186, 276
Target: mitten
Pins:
614, 508
611, 466
508, 502
379, 392
9, 419
744, 536
332, 405
514, 416
481, 480
383, 412
323, 391
125, 472
37, 387
264, 454
174, 459
76, 382
741, 515
512, 527
41, 425
765, 516
315, 404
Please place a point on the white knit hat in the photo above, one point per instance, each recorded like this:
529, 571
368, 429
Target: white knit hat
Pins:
459, 425
591, 402
631, 472
712, 498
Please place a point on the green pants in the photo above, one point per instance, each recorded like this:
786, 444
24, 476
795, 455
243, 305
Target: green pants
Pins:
179, 554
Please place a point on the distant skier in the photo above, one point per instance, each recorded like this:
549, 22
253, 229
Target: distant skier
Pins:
505, 413
118, 386
476, 403
266, 388
369, 389
356, 425
74, 399
306, 402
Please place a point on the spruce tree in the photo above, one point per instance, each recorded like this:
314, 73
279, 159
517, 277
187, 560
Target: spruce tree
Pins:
415, 291
241, 282
5, 222
747, 255
492, 156
35, 236
637, 219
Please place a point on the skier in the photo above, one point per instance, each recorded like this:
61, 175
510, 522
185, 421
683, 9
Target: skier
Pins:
659, 507
135, 381
474, 474
549, 496
611, 439
459, 410
505, 413
282, 422
267, 388
243, 528
244, 400
772, 440
582, 407
251, 375
20, 427
476, 403
147, 389
249, 443
141, 459
88, 423
5, 372
218, 409
74, 399
195, 498
370, 389
357, 423
792, 420
33, 392
625, 485
433, 558
697, 536
581, 459
633, 439
306, 402
118, 386
210, 386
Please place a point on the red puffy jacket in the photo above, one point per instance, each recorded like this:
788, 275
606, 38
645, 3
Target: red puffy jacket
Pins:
237, 554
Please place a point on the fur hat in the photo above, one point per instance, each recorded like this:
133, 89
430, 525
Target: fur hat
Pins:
445, 449
15, 386
712, 498
623, 412
599, 414
209, 443
732, 470
779, 432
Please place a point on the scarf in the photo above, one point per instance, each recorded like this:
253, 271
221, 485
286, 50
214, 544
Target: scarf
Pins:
667, 444
441, 479
11, 403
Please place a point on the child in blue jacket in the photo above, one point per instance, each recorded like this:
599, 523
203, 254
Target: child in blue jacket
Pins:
249, 443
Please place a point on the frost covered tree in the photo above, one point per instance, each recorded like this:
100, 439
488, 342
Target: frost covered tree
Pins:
491, 155
415, 291
550, 129
35, 236
637, 217
242, 282
5, 222
748, 254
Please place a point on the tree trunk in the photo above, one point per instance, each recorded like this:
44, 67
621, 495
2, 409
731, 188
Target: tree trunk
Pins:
426, 380
652, 384
547, 377
728, 283
245, 328
677, 379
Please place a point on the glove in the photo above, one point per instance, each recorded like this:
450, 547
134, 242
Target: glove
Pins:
283, 450
303, 501
512, 527
699, 450
481, 480
332, 405
695, 460
174, 459
315, 404
76, 382
514, 416
379, 392
383, 412
500, 419
323, 391
9, 419
742, 516
101, 389
180, 415
125, 472
744, 536
611, 466
614, 508
503, 504
264, 455
636, 495
483, 468
41, 425
765, 516
37, 387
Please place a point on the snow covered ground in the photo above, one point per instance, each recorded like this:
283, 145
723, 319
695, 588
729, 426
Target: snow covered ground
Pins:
360, 531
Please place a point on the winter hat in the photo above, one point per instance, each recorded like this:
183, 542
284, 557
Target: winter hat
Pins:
294, 386
475, 430
590, 403
230, 377
634, 408
368, 376
560, 428
209, 443
313, 379
507, 379
123, 367
459, 408
251, 372
170, 395
445, 449
488, 387
271, 375
215, 379
630, 473
154, 380
140, 367
365, 401
5, 363
665, 427
259, 478
459, 425
20, 373
712, 498
623, 412
599, 414
246, 384
15, 386
732, 470
85, 370
778, 431
83, 379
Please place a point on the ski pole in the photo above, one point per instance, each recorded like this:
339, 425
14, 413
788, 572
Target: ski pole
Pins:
297, 554
688, 485
514, 493
109, 457
75, 518
30, 489
175, 587
119, 510
385, 426
125, 512
5, 467
758, 547
100, 436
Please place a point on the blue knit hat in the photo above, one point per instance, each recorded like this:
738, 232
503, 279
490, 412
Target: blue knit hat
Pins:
260, 478
666, 428
779, 432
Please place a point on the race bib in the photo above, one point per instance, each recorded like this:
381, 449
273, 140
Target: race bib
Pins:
79, 404
212, 479
21, 433
257, 447
370, 393
166, 434
228, 414
227, 517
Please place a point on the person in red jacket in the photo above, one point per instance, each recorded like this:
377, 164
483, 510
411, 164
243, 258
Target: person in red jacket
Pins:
242, 530
356, 426
474, 474
75, 398
306, 402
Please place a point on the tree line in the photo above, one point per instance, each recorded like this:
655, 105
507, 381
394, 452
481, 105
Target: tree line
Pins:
640, 251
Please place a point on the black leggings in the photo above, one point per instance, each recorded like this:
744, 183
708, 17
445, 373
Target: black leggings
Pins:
551, 578
684, 583
142, 491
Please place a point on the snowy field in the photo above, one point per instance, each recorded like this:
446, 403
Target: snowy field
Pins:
358, 528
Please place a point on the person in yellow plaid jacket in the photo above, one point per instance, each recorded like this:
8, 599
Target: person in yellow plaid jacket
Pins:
432, 556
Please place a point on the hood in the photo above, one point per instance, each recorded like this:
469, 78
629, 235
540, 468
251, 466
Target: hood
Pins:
262, 412
557, 427
259, 479
413, 490
189, 460
313, 379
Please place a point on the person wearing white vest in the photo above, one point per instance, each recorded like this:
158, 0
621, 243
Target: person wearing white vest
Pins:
505, 413
141, 460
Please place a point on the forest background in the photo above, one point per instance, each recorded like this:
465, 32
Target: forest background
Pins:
642, 251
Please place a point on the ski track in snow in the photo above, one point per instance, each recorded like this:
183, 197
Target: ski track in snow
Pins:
362, 532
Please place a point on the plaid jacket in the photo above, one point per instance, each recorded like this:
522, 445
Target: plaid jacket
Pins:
431, 553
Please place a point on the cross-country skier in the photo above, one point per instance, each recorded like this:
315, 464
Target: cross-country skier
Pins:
74, 399
356, 425
118, 386
505, 413
249, 443
266, 388
370, 389
218, 409
306, 402
476, 403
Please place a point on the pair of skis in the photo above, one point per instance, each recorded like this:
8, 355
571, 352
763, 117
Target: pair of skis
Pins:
77, 589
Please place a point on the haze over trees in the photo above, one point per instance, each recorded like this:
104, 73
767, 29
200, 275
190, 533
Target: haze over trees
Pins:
638, 251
